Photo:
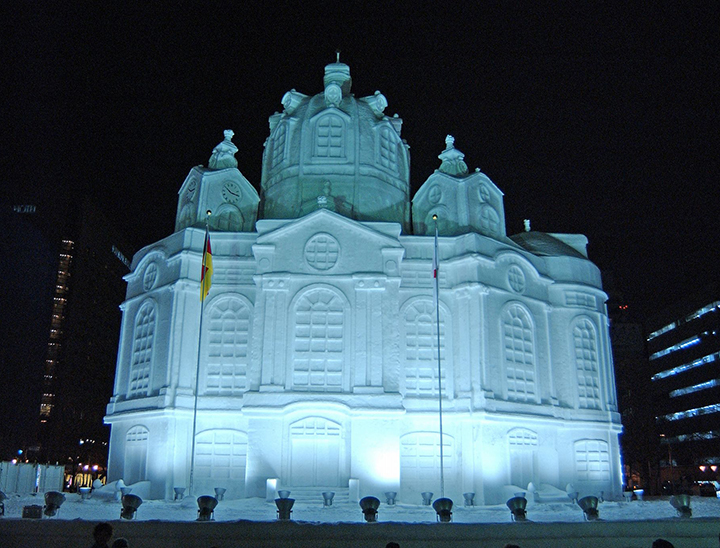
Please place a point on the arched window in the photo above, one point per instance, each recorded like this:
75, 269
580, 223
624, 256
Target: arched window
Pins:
227, 219
523, 455
221, 461
592, 460
136, 451
278, 147
421, 350
586, 363
227, 347
519, 354
316, 452
388, 149
141, 361
318, 346
489, 220
420, 459
330, 137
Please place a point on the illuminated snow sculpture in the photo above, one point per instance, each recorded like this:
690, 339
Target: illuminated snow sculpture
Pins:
318, 351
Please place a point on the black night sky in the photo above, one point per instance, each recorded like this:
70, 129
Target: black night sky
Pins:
592, 117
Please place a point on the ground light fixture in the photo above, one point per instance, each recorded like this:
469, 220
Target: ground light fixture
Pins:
284, 508
369, 506
469, 499
130, 504
220, 493
426, 497
328, 497
589, 506
284, 494
390, 497
206, 508
179, 493
443, 508
53, 501
681, 503
517, 507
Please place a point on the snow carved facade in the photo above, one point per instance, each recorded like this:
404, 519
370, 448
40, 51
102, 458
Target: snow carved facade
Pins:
318, 355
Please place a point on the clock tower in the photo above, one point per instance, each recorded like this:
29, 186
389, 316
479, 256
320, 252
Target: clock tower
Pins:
220, 188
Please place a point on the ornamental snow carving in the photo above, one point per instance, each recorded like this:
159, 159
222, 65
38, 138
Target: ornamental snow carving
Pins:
313, 362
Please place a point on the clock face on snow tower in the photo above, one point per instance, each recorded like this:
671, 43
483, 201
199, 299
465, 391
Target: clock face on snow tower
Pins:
231, 192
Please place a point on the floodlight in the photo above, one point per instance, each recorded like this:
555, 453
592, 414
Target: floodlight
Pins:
130, 503
328, 498
283, 494
469, 499
589, 506
284, 508
206, 507
369, 507
220, 493
427, 498
681, 503
573, 496
53, 501
85, 492
390, 497
179, 493
627, 495
443, 508
517, 507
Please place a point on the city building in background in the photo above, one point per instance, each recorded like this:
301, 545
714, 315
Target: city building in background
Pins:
638, 441
684, 355
67, 268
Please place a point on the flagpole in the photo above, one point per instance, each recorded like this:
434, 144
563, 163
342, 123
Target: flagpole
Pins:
203, 281
436, 257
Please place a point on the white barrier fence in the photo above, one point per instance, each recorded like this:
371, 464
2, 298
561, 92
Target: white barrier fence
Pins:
24, 478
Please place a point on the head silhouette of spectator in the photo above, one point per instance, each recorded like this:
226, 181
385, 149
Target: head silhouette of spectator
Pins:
662, 543
102, 535
120, 543
392, 545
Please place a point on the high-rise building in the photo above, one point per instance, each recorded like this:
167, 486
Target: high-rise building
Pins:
319, 358
684, 351
66, 281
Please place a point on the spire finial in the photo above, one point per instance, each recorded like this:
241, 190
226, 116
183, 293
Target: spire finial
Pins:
337, 55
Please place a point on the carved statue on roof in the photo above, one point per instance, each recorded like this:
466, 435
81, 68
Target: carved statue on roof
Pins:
223, 155
452, 159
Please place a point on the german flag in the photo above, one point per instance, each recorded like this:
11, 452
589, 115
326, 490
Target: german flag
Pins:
207, 269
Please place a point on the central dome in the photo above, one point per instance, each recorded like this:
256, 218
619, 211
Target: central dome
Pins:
336, 152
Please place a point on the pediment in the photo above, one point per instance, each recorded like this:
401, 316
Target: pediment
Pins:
325, 243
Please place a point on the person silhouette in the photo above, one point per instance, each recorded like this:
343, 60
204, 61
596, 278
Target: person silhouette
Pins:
102, 534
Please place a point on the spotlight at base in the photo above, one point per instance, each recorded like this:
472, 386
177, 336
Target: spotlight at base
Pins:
53, 501
369, 506
206, 508
681, 503
589, 506
517, 507
130, 504
443, 508
284, 508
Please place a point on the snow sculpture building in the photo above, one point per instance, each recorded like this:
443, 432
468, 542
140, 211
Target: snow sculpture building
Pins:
318, 355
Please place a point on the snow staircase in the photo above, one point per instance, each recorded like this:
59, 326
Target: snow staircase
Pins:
313, 495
